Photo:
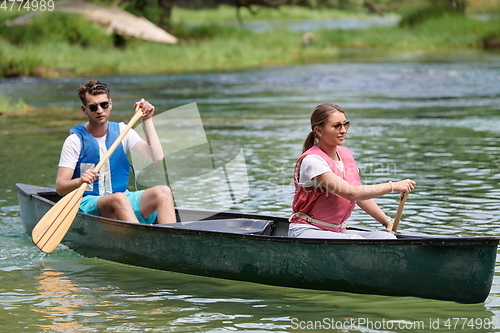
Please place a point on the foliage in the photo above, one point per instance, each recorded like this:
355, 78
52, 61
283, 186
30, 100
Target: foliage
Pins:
55, 26
422, 11
10, 106
10, 65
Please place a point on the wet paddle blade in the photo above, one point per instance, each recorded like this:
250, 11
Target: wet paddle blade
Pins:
54, 225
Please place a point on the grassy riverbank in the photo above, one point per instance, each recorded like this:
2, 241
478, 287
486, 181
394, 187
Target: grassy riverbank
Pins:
209, 40
217, 47
208, 43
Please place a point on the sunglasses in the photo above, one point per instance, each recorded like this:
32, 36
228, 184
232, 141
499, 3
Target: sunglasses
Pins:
94, 107
338, 126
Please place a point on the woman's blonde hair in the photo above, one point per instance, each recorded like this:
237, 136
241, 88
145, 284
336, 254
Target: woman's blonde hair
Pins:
318, 118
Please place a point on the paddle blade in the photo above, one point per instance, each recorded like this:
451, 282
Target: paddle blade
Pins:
54, 225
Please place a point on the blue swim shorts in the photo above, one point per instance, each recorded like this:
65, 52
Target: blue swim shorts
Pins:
89, 206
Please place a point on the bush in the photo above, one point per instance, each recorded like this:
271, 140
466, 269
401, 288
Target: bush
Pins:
60, 27
12, 66
431, 10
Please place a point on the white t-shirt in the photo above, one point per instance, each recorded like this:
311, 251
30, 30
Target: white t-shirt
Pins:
313, 166
72, 147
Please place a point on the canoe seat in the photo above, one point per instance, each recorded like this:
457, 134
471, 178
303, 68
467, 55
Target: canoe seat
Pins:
235, 226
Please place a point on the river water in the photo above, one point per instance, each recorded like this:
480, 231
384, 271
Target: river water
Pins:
435, 120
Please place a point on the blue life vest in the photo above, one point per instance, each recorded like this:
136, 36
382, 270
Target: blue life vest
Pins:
119, 163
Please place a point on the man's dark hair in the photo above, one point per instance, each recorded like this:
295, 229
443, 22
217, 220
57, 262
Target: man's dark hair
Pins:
92, 87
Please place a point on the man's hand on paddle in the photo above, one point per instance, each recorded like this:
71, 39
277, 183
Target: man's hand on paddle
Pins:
89, 176
146, 108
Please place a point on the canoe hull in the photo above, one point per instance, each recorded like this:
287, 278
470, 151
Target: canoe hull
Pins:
446, 268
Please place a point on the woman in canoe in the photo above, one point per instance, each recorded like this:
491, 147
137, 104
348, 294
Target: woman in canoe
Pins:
328, 186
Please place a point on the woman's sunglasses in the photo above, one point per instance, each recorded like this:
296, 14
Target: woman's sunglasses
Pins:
338, 126
94, 107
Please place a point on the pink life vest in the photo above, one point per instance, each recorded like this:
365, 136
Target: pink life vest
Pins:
320, 204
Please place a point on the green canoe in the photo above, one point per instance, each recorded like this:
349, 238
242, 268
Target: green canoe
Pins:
255, 248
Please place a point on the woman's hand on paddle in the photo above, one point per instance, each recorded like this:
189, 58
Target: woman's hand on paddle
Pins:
389, 226
146, 108
405, 186
89, 176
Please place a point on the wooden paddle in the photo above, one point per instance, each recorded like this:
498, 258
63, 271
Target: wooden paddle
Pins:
54, 225
399, 212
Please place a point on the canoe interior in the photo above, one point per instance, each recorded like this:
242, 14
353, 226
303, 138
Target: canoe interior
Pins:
227, 222
256, 224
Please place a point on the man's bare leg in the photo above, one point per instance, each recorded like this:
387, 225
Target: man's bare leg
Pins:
116, 206
158, 198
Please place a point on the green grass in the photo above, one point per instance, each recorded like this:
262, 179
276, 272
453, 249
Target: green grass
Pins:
235, 51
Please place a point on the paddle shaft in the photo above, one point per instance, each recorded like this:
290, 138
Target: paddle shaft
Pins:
399, 212
118, 140
116, 143
54, 225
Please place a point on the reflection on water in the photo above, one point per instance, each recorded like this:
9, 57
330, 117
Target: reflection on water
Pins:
89, 294
60, 306
437, 122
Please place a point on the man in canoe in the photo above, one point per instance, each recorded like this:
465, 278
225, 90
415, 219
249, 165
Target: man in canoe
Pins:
328, 186
107, 194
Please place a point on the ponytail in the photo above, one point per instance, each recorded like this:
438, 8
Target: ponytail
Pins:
309, 142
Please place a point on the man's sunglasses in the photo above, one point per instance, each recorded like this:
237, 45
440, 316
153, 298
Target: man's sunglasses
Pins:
94, 107
338, 126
